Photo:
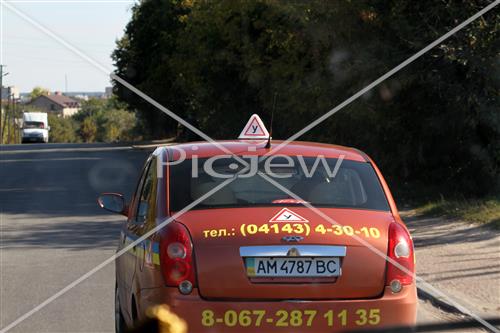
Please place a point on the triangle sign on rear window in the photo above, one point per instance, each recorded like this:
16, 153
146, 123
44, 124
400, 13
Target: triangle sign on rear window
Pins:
286, 215
254, 129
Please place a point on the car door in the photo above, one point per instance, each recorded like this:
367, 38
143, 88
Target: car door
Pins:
145, 275
126, 264
146, 214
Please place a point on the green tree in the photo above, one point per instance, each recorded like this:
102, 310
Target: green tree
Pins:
436, 123
39, 91
438, 115
88, 129
143, 58
105, 121
92, 108
63, 130
117, 125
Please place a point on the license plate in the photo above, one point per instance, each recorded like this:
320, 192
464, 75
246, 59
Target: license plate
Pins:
293, 267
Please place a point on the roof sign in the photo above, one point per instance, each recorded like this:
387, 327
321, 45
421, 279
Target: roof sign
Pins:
254, 129
286, 215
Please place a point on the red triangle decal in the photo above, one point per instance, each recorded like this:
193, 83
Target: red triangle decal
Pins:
286, 215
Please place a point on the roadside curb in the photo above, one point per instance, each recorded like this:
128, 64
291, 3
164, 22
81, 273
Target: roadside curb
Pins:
148, 147
152, 144
439, 302
445, 306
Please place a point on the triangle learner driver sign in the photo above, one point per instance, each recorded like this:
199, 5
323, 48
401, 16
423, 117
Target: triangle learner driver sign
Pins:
254, 129
286, 215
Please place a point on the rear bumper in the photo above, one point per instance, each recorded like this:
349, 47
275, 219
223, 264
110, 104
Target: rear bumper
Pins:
286, 316
25, 139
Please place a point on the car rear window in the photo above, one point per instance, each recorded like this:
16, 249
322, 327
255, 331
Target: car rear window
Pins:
323, 182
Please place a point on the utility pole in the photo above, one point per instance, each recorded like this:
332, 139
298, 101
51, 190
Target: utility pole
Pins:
2, 74
18, 123
8, 114
1, 103
14, 112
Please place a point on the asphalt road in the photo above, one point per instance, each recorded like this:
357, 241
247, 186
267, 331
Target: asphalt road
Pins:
53, 232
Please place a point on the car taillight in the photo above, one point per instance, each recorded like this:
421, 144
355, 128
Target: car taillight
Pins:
401, 252
176, 257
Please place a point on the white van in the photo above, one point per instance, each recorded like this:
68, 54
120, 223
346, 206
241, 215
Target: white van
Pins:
35, 127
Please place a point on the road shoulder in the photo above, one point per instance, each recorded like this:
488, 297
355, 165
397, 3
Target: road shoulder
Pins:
460, 259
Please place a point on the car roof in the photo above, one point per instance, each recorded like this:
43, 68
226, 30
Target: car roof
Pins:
204, 149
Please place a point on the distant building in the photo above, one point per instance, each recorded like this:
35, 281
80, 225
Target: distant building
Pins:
81, 97
56, 104
9, 91
86, 95
108, 92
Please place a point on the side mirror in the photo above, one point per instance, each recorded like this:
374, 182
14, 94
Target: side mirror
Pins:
113, 202
48, 128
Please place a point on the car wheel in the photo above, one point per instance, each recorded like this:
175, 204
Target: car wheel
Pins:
120, 326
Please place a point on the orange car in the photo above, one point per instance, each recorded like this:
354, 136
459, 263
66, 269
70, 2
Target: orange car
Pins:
252, 257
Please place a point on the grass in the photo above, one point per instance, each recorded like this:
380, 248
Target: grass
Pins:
482, 211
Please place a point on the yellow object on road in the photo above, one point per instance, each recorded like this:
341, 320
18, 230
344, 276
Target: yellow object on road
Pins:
161, 320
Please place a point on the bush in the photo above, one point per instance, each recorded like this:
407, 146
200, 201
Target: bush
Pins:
63, 129
97, 121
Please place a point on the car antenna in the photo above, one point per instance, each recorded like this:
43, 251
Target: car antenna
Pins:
268, 144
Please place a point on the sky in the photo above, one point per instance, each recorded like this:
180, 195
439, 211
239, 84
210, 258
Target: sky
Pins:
35, 59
